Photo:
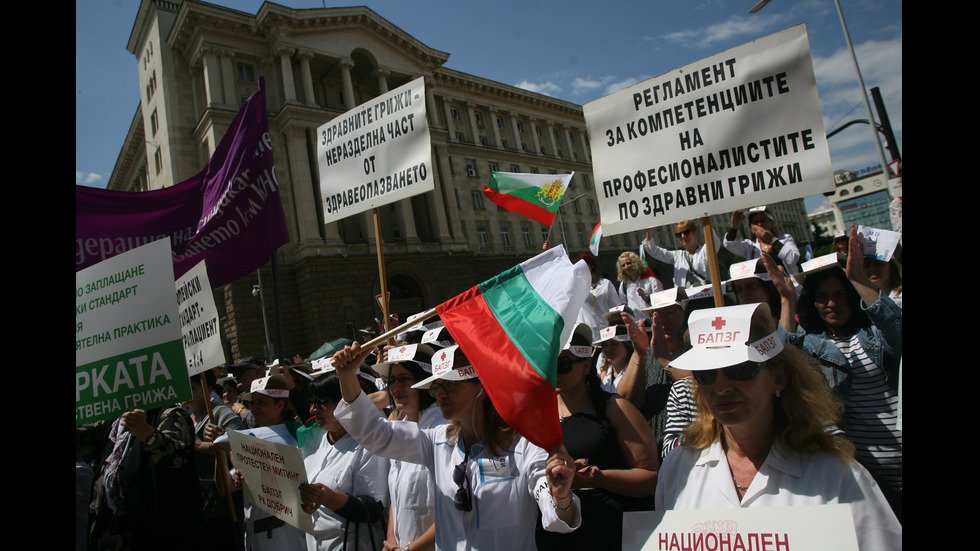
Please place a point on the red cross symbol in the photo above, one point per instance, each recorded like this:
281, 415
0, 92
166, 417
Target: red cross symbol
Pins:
718, 323
443, 357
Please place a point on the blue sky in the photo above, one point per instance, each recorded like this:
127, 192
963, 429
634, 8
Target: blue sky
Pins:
574, 50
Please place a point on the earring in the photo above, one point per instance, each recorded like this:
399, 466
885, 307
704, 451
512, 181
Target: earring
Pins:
778, 394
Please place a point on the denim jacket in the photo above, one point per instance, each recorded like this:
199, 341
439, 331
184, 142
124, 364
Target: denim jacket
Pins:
882, 341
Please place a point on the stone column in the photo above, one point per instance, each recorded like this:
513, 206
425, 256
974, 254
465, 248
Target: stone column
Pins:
518, 143
346, 64
549, 129
430, 104
228, 76
286, 64
567, 134
382, 75
306, 76
585, 147
532, 122
213, 89
493, 127
475, 128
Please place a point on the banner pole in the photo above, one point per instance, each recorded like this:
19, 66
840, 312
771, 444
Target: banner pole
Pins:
280, 352
709, 243
220, 471
379, 245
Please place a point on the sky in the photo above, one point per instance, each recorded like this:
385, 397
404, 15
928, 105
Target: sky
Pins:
573, 50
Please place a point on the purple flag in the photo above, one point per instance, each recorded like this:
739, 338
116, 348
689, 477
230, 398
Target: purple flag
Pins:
229, 214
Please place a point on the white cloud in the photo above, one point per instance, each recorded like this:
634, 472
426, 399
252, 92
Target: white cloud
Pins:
733, 28
90, 179
547, 88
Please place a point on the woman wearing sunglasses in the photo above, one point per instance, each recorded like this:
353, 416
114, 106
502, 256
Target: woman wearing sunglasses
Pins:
761, 438
490, 481
615, 453
411, 487
690, 262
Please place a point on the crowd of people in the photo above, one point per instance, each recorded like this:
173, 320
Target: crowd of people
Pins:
404, 449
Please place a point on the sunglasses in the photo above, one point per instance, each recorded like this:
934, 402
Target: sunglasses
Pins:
565, 363
462, 500
683, 233
402, 380
745, 371
448, 386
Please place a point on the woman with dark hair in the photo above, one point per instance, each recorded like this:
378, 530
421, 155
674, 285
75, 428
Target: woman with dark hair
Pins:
855, 332
615, 453
489, 479
761, 436
347, 493
617, 355
410, 485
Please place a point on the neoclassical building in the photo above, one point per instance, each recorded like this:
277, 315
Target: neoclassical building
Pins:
199, 61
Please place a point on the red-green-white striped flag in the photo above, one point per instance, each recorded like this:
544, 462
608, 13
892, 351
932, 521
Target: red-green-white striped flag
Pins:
594, 240
512, 328
536, 196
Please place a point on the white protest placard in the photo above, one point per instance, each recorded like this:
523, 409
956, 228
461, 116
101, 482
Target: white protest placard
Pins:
128, 351
273, 473
199, 324
375, 154
803, 528
739, 129
877, 243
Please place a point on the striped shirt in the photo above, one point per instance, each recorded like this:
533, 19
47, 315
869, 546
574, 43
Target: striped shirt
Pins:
870, 415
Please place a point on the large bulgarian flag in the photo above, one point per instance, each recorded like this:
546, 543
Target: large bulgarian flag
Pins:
536, 196
512, 328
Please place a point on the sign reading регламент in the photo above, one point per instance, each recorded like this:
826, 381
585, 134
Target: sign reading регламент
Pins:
736, 130
128, 349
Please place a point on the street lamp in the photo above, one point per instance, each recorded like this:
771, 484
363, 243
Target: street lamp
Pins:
864, 93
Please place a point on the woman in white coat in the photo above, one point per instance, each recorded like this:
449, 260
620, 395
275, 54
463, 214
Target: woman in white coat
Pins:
761, 438
490, 482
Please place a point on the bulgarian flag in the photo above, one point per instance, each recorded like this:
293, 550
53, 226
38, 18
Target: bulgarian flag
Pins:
594, 240
512, 328
536, 196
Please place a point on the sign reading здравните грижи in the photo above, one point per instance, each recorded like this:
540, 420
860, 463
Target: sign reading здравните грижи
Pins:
739, 129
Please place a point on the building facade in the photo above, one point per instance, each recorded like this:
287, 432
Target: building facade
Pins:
198, 62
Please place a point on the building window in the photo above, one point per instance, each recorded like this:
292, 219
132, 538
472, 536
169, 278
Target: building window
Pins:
477, 200
585, 181
482, 237
504, 143
151, 86
515, 168
479, 118
459, 137
158, 160
455, 113
534, 170
591, 207
246, 73
575, 208
493, 167
500, 122
505, 236
526, 233
537, 130
544, 233
520, 127
483, 141
471, 169
154, 123
581, 238
524, 146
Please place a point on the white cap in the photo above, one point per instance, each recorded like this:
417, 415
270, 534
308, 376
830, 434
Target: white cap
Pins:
581, 351
720, 338
613, 332
449, 364
747, 269
262, 386
419, 354
818, 264
663, 299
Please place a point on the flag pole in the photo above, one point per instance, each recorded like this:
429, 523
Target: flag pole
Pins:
380, 339
709, 243
224, 477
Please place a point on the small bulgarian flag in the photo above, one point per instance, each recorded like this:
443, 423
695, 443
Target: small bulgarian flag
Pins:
594, 240
512, 328
536, 196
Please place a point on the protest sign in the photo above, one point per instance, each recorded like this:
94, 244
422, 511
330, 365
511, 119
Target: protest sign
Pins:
273, 473
877, 243
803, 528
128, 351
199, 324
375, 154
739, 129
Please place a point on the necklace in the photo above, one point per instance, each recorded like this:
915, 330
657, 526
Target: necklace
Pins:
738, 486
